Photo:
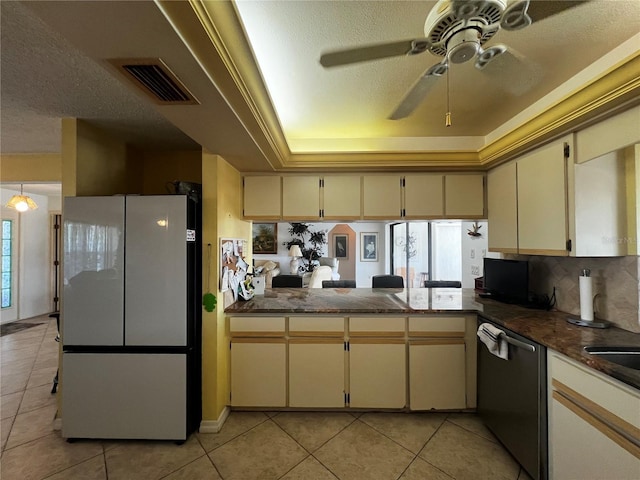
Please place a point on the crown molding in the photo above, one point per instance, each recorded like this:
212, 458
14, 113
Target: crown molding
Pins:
227, 58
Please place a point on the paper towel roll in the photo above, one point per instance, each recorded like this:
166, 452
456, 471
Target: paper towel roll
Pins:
586, 298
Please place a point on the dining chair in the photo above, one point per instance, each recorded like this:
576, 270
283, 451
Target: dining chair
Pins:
387, 281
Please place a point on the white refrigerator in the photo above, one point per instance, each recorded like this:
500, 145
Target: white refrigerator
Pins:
131, 317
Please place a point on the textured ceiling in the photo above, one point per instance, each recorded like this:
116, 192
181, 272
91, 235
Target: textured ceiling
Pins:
45, 78
54, 65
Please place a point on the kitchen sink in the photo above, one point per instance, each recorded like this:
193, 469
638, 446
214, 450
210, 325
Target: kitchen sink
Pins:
625, 356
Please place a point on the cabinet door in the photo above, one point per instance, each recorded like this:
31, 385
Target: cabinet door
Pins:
341, 197
423, 196
377, 373
437, 376
502, 200
542, 201
316, 373
582, 447
301, 198
262, 198
258, 372
464, 196
381, 198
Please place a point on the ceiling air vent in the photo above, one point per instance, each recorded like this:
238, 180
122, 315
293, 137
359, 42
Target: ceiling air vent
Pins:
156, 80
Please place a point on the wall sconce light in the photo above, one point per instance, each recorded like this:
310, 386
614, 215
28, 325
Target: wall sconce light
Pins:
21, 202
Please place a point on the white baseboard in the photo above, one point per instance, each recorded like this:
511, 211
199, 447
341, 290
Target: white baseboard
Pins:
214, 426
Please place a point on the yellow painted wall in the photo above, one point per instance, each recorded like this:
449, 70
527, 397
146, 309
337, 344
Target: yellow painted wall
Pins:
221, 217
44, 167
101, 166
167, 166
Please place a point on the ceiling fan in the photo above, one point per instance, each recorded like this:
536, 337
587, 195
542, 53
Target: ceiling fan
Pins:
455, 30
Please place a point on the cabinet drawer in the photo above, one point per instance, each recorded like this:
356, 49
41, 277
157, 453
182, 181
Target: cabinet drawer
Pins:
377, 326
316, 326
606, 392
436, 326
256, 326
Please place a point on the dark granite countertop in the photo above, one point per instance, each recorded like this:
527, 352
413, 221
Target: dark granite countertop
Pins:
546, 328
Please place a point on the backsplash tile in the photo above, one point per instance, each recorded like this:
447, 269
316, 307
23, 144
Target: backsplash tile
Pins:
615, 281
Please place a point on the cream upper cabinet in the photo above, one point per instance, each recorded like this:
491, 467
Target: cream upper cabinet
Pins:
542, 199
300, 197
382, 197
502, 204
423, 196
341, 197
464, 196
262, 197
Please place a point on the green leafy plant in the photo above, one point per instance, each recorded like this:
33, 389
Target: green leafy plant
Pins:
311, 243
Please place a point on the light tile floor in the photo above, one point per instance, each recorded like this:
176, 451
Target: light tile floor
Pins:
251, 445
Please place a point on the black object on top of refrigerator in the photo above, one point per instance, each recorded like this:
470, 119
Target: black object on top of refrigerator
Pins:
131, 317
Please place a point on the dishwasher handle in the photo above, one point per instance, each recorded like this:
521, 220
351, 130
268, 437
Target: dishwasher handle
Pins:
518, 343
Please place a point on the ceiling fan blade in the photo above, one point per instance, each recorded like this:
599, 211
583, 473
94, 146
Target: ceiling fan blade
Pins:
512, 73
418, 91
374, 52
540, 9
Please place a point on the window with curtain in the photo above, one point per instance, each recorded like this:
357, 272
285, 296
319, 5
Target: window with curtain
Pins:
7, 264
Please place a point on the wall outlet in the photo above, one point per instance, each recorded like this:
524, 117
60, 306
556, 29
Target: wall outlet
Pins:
475, 270
473, 253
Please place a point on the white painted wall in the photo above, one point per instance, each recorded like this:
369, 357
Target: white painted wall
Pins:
474, 249
32, 296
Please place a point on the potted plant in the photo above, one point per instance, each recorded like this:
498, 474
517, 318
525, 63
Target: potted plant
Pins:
310, 242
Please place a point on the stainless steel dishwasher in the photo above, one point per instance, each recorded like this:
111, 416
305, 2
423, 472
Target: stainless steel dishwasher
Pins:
512, 399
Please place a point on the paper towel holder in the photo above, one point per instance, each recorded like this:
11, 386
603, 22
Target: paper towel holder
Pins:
595, 323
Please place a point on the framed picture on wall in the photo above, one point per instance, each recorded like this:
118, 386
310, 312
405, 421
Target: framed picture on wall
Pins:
265, 238
340, 246
368, 247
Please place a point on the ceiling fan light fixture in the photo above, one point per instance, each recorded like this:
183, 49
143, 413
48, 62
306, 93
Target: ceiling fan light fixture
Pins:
463, 46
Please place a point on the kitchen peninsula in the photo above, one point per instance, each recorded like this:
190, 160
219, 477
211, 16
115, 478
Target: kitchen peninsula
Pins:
548, 328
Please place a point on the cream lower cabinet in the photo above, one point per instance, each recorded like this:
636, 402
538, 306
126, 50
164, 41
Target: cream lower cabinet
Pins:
437, 363
316, 373
377, 362
258, 372
316, 362
594, 424
377, 373
258, 362
437, 374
